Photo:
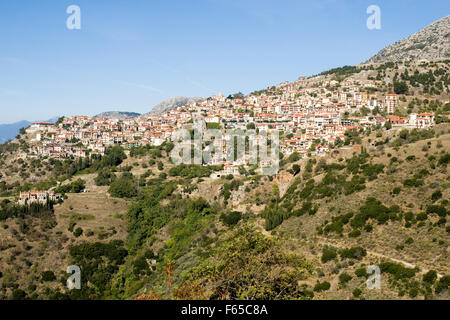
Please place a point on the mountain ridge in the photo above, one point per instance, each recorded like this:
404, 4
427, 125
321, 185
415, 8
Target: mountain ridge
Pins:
173, 103
431, 43
121, 115
9, 131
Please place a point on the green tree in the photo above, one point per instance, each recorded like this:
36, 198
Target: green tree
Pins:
19, 294
48, 276
430, 277
105, 177
123, 187
400, 87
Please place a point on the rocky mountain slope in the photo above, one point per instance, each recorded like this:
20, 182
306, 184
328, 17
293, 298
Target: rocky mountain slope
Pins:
117, 115
431, 42
173, 103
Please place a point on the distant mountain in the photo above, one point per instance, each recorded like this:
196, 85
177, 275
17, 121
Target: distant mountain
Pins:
117, 115
173, 103
432, 42
10, 131
53, 120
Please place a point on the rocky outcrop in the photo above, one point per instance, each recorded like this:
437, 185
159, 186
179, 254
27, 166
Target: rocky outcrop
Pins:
430, 43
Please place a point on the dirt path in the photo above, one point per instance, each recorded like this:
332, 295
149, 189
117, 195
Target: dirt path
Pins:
379, 255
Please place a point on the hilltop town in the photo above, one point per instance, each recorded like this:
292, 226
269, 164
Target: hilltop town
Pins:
313, 114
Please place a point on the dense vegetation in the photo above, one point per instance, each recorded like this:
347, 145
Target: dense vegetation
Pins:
76, 186
246, 265
11, 210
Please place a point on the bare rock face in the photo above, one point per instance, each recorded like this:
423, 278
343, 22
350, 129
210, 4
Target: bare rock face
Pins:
284, 180
173, 103
430, 43
117, 115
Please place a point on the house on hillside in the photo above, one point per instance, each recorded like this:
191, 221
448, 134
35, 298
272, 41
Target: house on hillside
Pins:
391, 102
41, 197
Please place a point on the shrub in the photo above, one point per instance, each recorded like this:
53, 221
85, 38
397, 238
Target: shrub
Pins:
442, 284
430, 277
444, 160
163, 175
322, 286
231, 219
397, 270
354, 233
19, 294
409, 216
328, 254
344, 278
361, 272
124, 187
396, 190
105, 177
436, 195
413, 292
357, 293
421, 216
413, 182
48, 276
74, 187
353, 253
78, 232
307, 208
439, 210
400, 87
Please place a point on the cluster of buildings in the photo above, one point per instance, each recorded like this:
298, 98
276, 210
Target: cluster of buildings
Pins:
312, 113
29, 197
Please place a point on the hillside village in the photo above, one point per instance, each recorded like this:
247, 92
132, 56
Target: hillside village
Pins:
312, 113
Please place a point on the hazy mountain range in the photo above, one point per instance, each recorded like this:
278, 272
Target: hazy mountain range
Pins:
11, 130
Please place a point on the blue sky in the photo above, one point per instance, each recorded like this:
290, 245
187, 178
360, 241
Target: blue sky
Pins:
132, 54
